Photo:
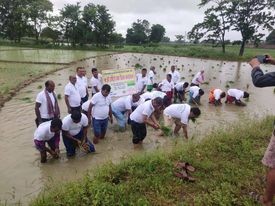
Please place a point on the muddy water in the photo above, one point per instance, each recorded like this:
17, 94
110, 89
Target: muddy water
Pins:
22, 175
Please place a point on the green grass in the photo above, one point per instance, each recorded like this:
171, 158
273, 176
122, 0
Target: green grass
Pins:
13, 74
199, 51
196, 51
227, 166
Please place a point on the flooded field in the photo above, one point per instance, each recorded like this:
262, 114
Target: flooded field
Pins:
22, 175
45, 55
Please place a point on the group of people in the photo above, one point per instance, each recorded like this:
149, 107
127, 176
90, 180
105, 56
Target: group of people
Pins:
143, 108
175, 89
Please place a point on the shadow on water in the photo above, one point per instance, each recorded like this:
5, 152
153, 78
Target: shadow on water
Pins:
22, 175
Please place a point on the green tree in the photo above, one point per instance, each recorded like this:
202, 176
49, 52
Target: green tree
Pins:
14, 19
117, 38
71, 20
179, 37
48, 32
270, 39
165, 39
139, 33
99, 23
38, 11
248, 17
195, 34
215, 23
157, 33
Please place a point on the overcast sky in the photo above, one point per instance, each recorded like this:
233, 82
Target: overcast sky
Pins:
177, 16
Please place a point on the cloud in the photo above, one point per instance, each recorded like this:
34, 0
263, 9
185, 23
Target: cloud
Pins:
177, 16
134, 6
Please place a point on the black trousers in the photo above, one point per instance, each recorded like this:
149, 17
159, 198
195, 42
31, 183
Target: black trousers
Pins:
139, 131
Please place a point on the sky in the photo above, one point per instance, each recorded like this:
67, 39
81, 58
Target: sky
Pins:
177, 16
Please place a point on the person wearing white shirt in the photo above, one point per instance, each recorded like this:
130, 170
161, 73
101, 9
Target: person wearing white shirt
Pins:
81, 84
195, 94
47, 133
72, 96
179, 91
85, 107
215, 96
46, 104
152, 95
142, 116
180, 115
141, 81
74, 132
198, 78
100, 110
123, 107
151, 78
96, 81
175, 75
167, 86
235, 95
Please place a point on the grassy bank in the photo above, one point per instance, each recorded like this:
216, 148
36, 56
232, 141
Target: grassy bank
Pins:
195, 51
199, 51
227, 166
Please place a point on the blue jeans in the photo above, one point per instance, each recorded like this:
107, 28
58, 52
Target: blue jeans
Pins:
100, 126
196, 99
71, 144
121, 120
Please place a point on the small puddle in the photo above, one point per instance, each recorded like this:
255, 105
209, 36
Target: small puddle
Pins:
22, 175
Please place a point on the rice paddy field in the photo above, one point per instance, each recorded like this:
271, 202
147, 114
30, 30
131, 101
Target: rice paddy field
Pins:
20, 66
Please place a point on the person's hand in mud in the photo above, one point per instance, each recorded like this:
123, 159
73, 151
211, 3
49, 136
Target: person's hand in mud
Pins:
156, 126
53, 153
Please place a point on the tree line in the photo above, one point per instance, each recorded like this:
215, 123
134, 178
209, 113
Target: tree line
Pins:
246, 17
91, 25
